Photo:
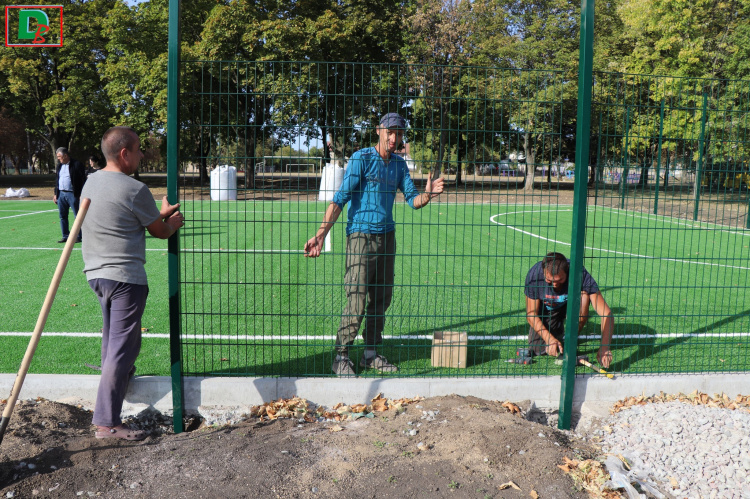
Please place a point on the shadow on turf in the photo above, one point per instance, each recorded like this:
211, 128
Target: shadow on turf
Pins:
314, 359
646, 347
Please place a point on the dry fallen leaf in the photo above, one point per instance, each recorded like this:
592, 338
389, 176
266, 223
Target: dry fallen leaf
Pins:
224, 359
336, 428
508, 485
513, 408
534, 494
359, 408
379, 404
674, 483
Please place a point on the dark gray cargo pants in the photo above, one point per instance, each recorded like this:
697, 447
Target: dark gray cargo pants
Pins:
122, 309
370, 268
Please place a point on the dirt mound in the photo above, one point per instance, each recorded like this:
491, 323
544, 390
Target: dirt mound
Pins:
444, 446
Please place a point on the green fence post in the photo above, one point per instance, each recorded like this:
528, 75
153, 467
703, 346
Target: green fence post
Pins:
578, 235
699, 170
658, 158
625, 164
173, 151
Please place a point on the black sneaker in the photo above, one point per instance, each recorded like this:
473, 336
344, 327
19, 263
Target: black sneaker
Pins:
344, 368
63, 241
378, 362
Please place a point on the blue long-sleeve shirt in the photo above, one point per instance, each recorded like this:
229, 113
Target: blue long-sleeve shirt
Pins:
370, 186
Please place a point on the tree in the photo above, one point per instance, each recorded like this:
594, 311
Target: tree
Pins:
258, 98
12, 141
60, 89
534, 39
439, 39
682, 38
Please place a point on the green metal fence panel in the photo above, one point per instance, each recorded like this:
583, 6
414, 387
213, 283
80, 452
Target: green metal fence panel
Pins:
262, 146
667, 220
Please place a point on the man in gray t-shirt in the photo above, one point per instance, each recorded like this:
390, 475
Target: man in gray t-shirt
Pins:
114, 254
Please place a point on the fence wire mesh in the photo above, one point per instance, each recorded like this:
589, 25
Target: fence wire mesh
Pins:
668, 217
264, 146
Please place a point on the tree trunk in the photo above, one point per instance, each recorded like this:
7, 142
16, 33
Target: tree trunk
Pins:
28, 153
643, 180
441, 153
203, 155
666, 173
53, 148
528, 149
461, 155
250, 168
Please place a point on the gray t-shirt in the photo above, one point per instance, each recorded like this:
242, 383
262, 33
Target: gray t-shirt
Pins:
115, 244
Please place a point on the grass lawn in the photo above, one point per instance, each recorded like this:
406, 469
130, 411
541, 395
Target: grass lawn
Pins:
252, 304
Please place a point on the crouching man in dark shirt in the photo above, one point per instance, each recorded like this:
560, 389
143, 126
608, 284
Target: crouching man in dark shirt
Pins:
546, 293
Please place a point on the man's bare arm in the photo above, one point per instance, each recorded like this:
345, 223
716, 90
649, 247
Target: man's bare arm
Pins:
554, 347
314, 245
604, 356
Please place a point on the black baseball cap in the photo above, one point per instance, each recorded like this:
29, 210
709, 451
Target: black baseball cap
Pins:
393, 120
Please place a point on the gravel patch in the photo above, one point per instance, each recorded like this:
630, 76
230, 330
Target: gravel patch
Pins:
685, 450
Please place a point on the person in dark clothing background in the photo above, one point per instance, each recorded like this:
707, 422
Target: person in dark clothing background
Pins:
71, 175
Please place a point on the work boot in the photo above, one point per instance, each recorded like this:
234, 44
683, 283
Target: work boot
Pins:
343, 367
378, 362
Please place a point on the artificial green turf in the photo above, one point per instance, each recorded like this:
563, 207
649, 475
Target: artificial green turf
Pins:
459, 267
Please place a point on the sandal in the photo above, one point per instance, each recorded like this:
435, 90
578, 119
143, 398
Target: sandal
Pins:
123, 432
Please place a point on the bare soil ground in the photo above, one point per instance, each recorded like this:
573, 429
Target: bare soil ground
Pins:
458, 447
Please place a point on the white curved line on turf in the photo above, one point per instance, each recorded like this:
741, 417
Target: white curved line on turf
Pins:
623, 253
27, 214
671, 220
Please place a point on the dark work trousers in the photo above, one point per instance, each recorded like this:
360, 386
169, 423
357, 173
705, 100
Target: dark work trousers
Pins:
370, 268
65, 201
555, 324
122, 308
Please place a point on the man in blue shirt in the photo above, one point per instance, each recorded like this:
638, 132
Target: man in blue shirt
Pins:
546, 291
369, 188
71, 175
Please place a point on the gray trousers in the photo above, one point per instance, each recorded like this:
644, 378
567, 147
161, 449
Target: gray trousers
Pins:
122, 309
370, 268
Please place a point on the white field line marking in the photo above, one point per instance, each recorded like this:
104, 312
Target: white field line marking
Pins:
187, 250
665, 259
222, 250
672, 220
219, 212
58, 248
27, 214
405, 336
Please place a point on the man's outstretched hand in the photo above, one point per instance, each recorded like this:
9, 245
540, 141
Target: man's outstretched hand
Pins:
554, 348
313, 247
604, 356
434, 188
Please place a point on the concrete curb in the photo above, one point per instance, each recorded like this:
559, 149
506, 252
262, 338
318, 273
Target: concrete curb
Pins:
239, 393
